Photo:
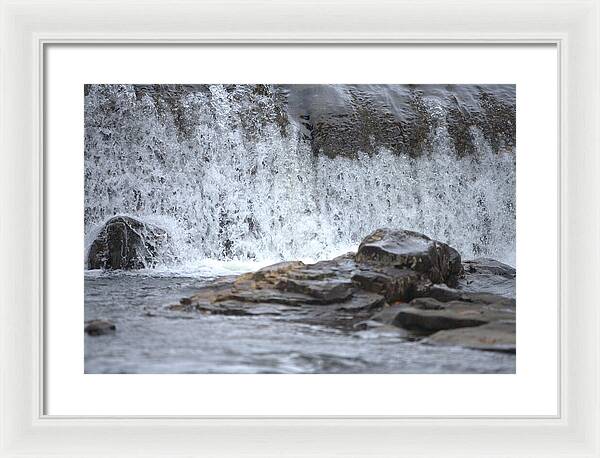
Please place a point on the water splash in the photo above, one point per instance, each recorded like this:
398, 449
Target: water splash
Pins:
232, 176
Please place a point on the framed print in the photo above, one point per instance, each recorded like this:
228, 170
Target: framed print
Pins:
263, 194
285, 208
352, 234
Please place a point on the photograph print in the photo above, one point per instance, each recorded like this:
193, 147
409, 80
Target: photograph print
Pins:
310, 229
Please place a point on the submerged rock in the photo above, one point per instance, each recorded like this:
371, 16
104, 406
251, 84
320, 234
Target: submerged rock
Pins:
126, 243
99, 327
397, 278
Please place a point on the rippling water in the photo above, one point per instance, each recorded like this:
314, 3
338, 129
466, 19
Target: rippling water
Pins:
150, 339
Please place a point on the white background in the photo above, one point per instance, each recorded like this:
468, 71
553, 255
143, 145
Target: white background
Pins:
532, 391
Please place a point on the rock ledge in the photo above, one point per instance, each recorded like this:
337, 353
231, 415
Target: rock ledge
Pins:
398, 278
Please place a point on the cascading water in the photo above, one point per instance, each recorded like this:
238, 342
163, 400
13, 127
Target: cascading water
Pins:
267, 173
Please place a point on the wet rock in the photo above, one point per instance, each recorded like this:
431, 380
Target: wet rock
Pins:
491, 267
489, 276
387, 314
427, 320
295, 283
497, 336
99, 327
126, 243
205, 295
394, 284
402, 249
362, 300
345, 315
427, 303
353, 292
340, 120
322, 293
443, 293
268, 295
429, 315
325, 291
493, 301
236, 308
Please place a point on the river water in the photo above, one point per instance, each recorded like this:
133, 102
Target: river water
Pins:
151, 339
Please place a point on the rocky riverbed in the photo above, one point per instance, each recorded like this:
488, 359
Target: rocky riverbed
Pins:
397, 278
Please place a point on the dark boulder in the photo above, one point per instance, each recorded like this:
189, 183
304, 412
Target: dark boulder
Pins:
402, 249
99, 327
127, 243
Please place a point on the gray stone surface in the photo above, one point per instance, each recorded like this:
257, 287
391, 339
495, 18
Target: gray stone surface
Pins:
496, 336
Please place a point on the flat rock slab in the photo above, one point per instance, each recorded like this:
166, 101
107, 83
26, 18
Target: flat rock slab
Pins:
443, 293
498, 336
430, 315
321, 293
327, 290
237, 308
433, 320
269, 296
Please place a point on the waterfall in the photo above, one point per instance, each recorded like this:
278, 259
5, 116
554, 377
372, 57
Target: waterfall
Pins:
260, 172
